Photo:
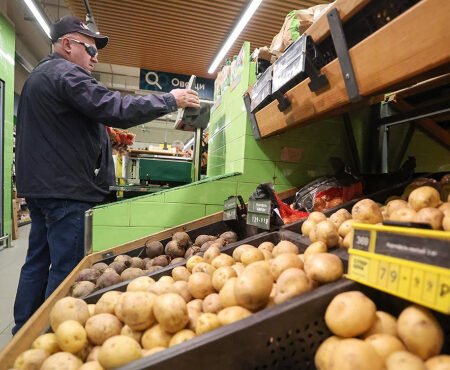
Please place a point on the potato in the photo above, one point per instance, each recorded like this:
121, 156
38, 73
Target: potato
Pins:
31, 359
180, 273
283, 262
239, 250
140, 284
385, 344
326, 232
82, 289
232, 314
88, 275
207, 322
71, 336
252, 288
403, 360
267, 255
100, 266
119, 350
202, 239
155, 336
171, 312
191, 251
229, 237
149, 352
264, 264
153, 248
131, 273
338, 218
101, 327
200, 285
182, 289
135, 334
324, 267
395, 204
403, 215
61, 360
446, 222
191, 262
91, 308
137, 262
350, 354
193, 314
252, 255
47, 342
92, 365
196, 304
266, 246
181, 336
424, 197
204, 267
162, 260
226, 294
162, 287
420, 332
367, 211
283, 247
307, 226
166, 279
345, 228
107, 302
221, 275
317, 217
291, 283
238, 267
324, 352
211, 253
348, 240
117, 266
350, 314
441, 362
83, 353
316, 247
430, 216
177, 260
93, 354
136, 309
384, 323
211, 303
445, 208
182, 239
222, 260
207, 245
68, 308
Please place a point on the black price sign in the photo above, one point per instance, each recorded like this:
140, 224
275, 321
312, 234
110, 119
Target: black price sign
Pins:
230, 209
361, 240
259, 213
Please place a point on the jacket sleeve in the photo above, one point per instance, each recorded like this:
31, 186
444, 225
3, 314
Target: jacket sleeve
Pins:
102, 105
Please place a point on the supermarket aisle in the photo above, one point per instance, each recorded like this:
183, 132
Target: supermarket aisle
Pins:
11, 261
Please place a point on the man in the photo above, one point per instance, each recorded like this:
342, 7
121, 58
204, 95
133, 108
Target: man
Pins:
63, 157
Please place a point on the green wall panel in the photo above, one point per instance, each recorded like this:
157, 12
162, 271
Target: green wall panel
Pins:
111, 236
211, 194
257, 171
210, 209
164, 214
246, 189
120, 216
7, 55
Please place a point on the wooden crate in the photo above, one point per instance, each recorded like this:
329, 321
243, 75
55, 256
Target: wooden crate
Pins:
41, 318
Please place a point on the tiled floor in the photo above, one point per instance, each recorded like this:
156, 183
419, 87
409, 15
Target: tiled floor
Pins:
11, 261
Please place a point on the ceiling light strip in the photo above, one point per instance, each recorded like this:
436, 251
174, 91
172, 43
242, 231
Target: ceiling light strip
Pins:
235, 34
37, 14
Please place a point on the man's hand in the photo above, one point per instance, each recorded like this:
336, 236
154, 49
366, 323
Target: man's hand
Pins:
186, 98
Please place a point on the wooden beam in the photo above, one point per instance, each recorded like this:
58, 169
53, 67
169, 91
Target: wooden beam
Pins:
395, 53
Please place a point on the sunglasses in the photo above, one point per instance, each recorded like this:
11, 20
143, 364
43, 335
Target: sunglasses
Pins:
91, 50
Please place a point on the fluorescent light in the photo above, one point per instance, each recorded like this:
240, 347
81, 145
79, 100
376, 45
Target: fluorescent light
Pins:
234, 35
37, 14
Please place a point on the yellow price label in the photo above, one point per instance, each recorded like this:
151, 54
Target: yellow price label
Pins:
383, 272
394, 277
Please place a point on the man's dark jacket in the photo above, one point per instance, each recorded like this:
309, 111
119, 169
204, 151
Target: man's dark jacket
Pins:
61, 137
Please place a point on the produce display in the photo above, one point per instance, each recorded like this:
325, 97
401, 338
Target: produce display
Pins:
211, 291
423, 205
365, 338
124, 268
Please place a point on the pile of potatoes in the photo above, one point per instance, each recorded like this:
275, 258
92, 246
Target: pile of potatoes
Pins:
365, 338
124, 268
209, 292
424, 205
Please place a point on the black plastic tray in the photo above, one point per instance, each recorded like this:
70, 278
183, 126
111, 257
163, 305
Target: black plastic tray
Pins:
282, 337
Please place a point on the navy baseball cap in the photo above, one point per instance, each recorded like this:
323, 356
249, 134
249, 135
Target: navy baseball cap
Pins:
69, 24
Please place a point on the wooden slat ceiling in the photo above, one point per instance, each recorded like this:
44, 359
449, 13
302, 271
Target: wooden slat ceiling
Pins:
180, 36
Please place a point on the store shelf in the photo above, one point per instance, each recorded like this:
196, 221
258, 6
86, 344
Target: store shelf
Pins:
398, 54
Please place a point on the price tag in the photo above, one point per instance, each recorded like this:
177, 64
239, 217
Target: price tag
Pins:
230, 209
413, 264
259, 213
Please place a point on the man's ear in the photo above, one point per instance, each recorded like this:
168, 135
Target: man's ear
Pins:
66, 45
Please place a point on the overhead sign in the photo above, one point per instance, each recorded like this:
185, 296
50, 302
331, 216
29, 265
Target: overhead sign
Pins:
165, 82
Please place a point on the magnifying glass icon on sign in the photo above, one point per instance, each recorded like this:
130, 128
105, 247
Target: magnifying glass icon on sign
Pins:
154, 81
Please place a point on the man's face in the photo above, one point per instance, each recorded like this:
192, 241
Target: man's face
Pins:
78, 53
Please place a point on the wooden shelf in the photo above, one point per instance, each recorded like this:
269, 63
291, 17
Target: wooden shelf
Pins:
412, 47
